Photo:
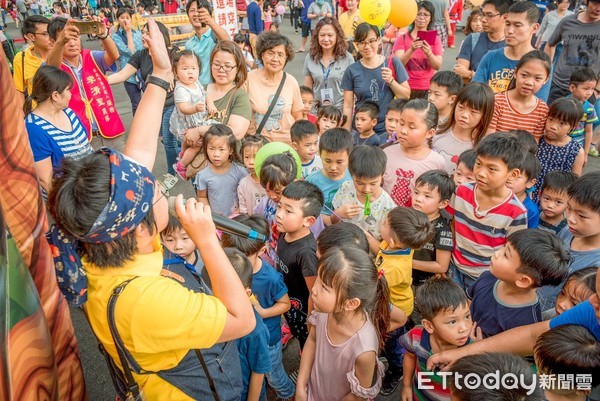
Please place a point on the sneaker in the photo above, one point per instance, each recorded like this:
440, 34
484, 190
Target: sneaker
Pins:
390, 382
181, 170
286, 335
593, 151
169, 180
294, 376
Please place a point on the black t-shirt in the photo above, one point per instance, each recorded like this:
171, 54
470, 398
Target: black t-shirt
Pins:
297, 260
442, 241
142, 62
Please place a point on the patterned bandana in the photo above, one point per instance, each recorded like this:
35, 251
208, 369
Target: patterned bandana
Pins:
131, 195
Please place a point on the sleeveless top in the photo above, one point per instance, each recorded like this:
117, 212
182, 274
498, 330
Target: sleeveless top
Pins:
554, 158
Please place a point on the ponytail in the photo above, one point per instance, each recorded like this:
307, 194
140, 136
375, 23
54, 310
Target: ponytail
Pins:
381, 309
28, 105
46, 81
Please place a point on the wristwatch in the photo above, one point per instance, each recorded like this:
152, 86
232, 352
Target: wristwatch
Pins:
161, 83
104, 37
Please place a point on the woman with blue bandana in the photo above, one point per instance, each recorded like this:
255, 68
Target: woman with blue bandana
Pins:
111, 204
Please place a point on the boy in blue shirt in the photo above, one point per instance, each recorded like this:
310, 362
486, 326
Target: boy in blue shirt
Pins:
583, 81
506, 296
271, 294
335, 147
529, 169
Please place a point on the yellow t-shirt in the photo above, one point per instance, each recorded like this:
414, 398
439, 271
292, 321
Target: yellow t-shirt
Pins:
397, 268
157, 318
24, 76
349, 22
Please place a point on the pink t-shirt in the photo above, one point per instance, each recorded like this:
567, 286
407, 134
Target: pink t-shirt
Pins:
401, 172
249, 193
450, 147
418, 67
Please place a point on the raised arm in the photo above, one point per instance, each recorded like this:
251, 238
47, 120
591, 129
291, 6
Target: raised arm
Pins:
55, 57
127, 71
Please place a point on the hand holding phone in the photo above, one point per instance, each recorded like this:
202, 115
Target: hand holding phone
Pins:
87, 27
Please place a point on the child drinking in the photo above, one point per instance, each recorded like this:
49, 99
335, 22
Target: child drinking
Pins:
190, 106
249, 190
468, 122
217, 183
350, 318
411, 156
518, 107
329, 117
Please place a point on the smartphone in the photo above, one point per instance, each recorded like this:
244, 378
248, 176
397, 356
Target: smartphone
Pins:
87, 27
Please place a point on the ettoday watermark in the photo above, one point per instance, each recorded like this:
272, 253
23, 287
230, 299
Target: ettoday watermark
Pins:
510, 381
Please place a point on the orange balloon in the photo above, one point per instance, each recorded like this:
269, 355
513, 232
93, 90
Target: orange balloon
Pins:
403, 13
477, 3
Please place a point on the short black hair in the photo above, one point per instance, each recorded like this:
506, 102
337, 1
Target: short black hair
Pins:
468, 158
309, 193
449, 80
367, 162
248, 246
528, 7
278, 171
585, 191
544, 257
527, 140
301, 129
566, 109
55, 26
241, 264
369, 107
305, 90
524, 389
501, 145
581, 75
438, 295
342, 234
397, 104
566, 350
336, 140
29, 25
440, 180
239, 38
409, 226
530, 166
173, 225
501, 5
551, 7
558, 181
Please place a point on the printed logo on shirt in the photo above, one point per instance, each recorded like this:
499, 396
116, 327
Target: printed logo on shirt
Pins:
586, 52
499, 80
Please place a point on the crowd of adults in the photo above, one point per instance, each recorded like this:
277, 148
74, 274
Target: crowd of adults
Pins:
70, 111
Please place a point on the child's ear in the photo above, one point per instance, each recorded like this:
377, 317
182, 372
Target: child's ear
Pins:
427, 325
295, 146
351, 304
513, 174
452, 99
431, 133
443, 204
309, 221
531, 183
524, 281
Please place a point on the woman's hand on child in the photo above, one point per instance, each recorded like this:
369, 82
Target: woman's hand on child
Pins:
476, 334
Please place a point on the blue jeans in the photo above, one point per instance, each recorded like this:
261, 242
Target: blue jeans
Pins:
277, 377
463, 280
135, 95
393, 351
3, 17
170, 142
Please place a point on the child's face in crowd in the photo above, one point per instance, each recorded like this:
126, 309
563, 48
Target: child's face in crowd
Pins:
326, 123
368, 185
218, 151
476, 24
334, 164
572, 293
392, 119
179, 243
452, 327
553, 203
240, 45
248, 155
492, 174
188, 70
324, 297
439, 96
307, 101
583, 91
274, 193
462, 175
467, 117
290, 216
364, 123
520, 184
428, 200
412, 130
595, 298
307, 147
504, 264
582, 220
530, 78
556, 129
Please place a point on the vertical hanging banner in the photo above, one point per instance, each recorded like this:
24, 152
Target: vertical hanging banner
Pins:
225, 13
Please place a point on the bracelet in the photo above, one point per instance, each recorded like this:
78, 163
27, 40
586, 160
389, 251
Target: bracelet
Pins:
103, 37
161, 83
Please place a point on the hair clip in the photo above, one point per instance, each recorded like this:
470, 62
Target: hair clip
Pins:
380, 274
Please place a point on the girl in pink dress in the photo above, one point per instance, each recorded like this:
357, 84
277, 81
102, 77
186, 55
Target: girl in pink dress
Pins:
340, 355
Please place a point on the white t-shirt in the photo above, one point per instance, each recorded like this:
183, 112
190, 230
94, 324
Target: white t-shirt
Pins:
450, 147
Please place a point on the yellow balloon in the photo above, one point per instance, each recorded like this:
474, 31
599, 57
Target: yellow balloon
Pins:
477, 3
403, 13
375, 12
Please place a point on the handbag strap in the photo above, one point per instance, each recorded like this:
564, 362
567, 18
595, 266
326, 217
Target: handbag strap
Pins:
25, 88
211, 382
228, 107
272, 105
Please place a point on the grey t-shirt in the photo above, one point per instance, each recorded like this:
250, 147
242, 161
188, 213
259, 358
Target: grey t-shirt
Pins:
334, 73
483, 45
439, 6
581, 48
221, 188
314, 8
